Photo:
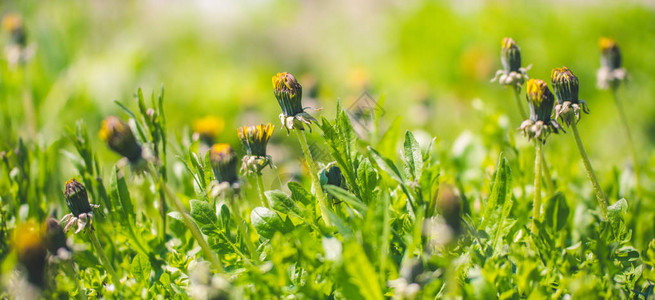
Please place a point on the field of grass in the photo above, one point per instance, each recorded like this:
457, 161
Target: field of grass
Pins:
399, 170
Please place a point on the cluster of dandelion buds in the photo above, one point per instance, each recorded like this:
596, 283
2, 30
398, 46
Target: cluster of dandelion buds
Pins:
512, 73
81, 211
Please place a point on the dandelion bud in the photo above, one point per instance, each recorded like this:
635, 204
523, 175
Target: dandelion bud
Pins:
288, 93
224, 163
118, 136
208, 128
610, 54
332, 175
255, 138
450, 208
54, 236
13, 24
510, 56
31, 251
77, 198
565, 85
541, 102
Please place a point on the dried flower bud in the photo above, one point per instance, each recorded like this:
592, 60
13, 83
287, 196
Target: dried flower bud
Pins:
53, 236
119, 137
208, 128
510, 55
31, 251
610, 54
224, 163
541, 102
77, 198
288, 92
255, 138
566, 86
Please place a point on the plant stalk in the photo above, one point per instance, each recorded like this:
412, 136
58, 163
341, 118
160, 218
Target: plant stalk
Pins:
631, 142
536, 210
188, 221
313, 173
550, 187
103, 258
590, 172
517, 97
260, 187
241, 225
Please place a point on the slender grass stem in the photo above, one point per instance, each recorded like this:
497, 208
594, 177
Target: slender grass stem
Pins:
631, 142
519, 103
536, 209
195, 232
103, 258
260, 187
313, 173
242, 228
550, 187
590, 172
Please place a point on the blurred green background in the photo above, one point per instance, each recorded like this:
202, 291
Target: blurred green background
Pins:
431, 60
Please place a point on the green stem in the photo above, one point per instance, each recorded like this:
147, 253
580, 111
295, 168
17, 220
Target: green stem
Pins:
69, 269
188, 222
313, 173
103, 258
242, 229
260, 187
536, 209
550, 187
631, 142
519, 103
590, 172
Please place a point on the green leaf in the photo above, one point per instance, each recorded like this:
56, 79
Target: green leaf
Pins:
140, 268
412, 155
556, 212
360, 271
388, 142
298, 193
203, 213
281, 202
367, 179
501, 192
121, 200
267, 222
346, 197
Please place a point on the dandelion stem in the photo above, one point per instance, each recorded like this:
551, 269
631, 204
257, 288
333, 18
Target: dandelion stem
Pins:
517, 97
241, 225
313, 173
590, 172
550, 187
631, 142
103, 258
188, 221
69, 269
260, 187
536, 209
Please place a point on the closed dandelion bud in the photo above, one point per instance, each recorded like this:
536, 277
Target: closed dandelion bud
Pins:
13, 24
610, 54
288, 92
541, 102
255, 139
120, 139
31, 251
512, 73
207, 129
54, 236
610, 74
510, 55
566, 86
76, 198
224, 163
332, 175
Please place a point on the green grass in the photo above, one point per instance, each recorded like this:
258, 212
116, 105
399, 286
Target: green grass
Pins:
436, 197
